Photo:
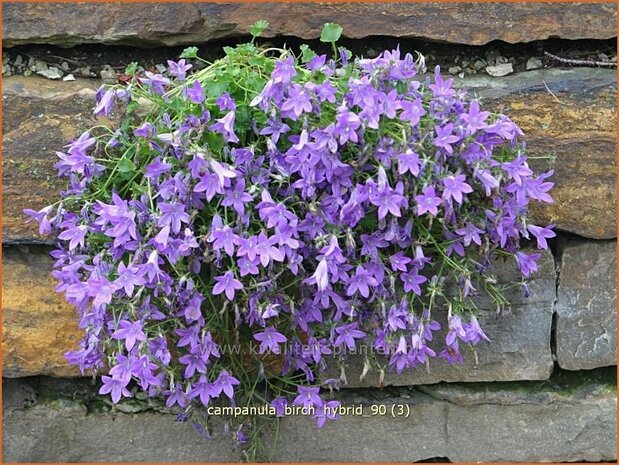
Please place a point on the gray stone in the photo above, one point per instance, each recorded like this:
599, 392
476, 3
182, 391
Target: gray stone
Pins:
479, 64
454, 69
51, 73
534, 63
519, 347
568, 418
39, 66
68, 433
586, 329
108, 75
502, 69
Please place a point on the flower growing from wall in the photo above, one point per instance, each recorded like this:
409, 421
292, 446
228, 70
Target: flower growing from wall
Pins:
252, 223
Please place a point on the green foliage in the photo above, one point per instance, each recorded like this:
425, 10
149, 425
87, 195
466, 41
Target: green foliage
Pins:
190, 52
331, 32
258, 28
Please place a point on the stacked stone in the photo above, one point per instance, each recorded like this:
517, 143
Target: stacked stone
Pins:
543, 390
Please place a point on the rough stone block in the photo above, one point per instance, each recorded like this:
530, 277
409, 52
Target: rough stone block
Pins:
189, 23
586, 330
571, 417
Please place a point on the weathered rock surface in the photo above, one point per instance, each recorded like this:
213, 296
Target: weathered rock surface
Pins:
40, 116
574, 120
38, 326
519, 347
189, 23
586, 329
580, 130
568, 418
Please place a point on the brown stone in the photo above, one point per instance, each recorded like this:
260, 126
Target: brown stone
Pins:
149, 24
571, 116
38, 326
40, 116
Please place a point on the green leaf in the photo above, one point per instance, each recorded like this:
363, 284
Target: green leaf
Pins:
125, 165
306, 53
331, 32
132, 68
190, 52
132, 106
214, 88
258, 28
137, 189
215, 141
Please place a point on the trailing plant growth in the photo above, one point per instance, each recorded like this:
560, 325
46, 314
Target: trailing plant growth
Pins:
245, 225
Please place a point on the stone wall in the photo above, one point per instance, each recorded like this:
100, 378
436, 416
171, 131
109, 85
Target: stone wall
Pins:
543, 390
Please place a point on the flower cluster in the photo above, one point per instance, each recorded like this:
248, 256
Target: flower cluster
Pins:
305, 204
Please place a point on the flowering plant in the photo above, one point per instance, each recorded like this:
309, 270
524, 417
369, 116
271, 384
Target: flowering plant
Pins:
303, 204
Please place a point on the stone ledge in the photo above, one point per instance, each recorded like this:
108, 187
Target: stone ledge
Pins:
67, 25
567, 418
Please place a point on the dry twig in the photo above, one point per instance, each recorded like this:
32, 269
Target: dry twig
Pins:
594, 63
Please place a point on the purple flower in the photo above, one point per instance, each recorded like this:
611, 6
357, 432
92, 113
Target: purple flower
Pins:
444, 138
225, 102
412, 111
106, 102
75, 234
321, 275
228, 284
541, 234
237, 197
399, 262
389, 201
179, 69
130, 332
128, 277
225, 383
173, 215
474, 333
475, 119
202, 389
428, 202
40, 216
527, 263
455, 186
176, 397
269, 340
195, 92
298, 102
225, 126
117, 387
408, 161
470, 233
308, 397
360, 282
346, 126
156, 82
347, 335
412, 280
284, 71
